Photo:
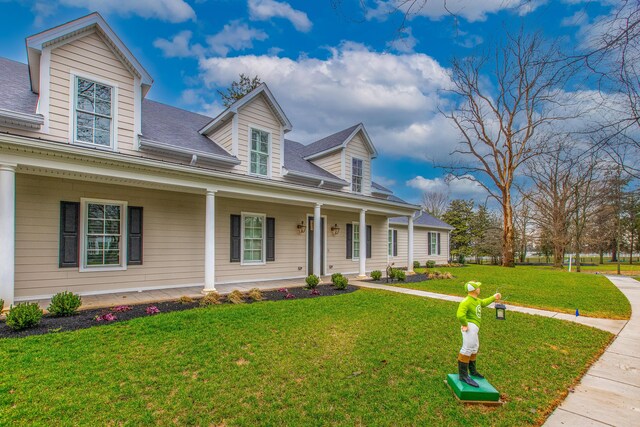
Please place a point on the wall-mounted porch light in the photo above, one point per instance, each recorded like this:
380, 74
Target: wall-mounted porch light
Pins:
335, 229
301, 227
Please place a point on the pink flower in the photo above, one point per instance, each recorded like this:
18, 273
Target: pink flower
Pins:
289, 296
283, 290
315, 292
122, 308
109, 317
152, 309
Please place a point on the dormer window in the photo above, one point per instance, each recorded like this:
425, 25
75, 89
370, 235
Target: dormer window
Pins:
93, 117
259, 153
356, 175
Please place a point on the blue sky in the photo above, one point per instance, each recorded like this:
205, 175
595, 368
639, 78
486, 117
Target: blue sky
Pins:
328, 67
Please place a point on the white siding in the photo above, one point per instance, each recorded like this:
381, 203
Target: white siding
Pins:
420, 246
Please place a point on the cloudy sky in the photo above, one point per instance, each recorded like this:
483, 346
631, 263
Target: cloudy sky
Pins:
330, 63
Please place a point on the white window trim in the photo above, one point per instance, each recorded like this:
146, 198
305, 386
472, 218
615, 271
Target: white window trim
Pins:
353, 240
269, 160
361, 176
73, 74
84, 223
390, 242
433, 237
264, 238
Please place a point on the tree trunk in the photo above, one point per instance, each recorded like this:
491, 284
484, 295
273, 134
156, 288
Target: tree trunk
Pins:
558, 255
614, 253
508, 235
578, 248
601, 257
631, 248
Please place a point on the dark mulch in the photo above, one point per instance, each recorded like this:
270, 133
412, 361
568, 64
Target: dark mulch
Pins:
414, 278
86, 318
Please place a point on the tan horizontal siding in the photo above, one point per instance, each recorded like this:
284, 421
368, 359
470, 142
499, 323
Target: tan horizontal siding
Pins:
331, 163
357, 148
420, 246
224, 137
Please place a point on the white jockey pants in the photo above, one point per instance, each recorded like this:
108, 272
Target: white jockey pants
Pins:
470, 340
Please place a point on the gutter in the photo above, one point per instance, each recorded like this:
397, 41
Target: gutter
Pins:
120, 158
291, 173
161, 146
21, 119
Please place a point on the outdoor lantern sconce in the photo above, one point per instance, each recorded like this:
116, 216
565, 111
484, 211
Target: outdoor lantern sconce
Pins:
335, 229
301, 227
501, 312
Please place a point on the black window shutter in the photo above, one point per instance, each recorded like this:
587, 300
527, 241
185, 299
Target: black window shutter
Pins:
438, 243
69, 237
235, 238
349, 241
271, 239
429, 242
134, 245
395, 242
368, 241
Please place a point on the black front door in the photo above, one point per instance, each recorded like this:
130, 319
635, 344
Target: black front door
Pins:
310, 228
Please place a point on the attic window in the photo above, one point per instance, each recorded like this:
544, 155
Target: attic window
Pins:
259, 164
93, 113
356, 175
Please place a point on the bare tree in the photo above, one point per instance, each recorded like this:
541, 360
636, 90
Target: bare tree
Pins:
435, 202
523, 217
587, 190
499, 124
238, 89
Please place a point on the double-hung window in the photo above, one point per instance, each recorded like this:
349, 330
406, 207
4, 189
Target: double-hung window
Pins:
356, 175
356, 241
390, 244
103, 234
259, 164
433, 243
253, 238
93, 113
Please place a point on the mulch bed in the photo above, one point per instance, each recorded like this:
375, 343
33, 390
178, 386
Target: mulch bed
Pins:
86, 318
414, 278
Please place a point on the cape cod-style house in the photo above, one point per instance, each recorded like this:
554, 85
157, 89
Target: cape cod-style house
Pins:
103, 190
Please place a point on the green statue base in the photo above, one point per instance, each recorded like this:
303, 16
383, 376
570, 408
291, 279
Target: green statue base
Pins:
485, 394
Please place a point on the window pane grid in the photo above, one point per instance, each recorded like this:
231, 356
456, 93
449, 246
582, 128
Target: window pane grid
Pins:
390, 244
253, 239
93, 112
103, 234
356, 240
259, 152
356, 175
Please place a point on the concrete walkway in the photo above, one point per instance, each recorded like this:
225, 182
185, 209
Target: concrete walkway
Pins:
610, 325
609, 393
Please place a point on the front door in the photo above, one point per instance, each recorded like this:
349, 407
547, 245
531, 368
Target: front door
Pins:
310, 246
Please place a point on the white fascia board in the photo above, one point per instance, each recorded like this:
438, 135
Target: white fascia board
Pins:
38, 41
18, 119
367, 140
37, 153
147, 143
312, 177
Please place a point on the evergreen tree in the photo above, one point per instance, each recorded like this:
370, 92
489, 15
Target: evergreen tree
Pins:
460, 216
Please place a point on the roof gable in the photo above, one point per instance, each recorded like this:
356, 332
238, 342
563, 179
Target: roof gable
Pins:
338, 141
262, 90
70, 31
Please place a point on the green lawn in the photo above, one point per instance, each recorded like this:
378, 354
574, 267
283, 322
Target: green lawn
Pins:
366, 358
629, 269
539, 287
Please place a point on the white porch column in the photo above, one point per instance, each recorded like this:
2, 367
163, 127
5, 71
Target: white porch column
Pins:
317, 239
7, 232
362, 227
210, 243
410, 246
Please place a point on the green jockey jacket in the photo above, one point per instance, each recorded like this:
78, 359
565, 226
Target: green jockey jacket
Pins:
470, 309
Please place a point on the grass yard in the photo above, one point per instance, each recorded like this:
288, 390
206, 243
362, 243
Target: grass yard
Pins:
627, 269
538, 287
366, 358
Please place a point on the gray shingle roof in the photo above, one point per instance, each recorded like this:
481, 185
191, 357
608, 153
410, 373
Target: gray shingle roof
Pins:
424, 219
379, 187
177, 127
328, 142
15, 88
294, 161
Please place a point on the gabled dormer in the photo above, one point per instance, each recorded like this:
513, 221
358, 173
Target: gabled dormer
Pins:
90, 86
346, 154
252, 129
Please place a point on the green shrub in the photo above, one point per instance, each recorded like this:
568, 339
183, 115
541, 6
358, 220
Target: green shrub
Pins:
211, 298
416, 264
64, 304
235, 297
1, 304
312, 281
255, 294
431, 264
23, 316
334, 276
376, 274
401, 275
341, 282
392, 273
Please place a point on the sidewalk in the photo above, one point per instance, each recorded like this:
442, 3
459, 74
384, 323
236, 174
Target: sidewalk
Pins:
610, 325
609, 394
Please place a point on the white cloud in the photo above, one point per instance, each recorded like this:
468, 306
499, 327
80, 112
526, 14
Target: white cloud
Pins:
405, 42
164, 10
234, 36
385, 182
471, 10
263, 10
576, 20
396, 96
179, 46
457, 188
